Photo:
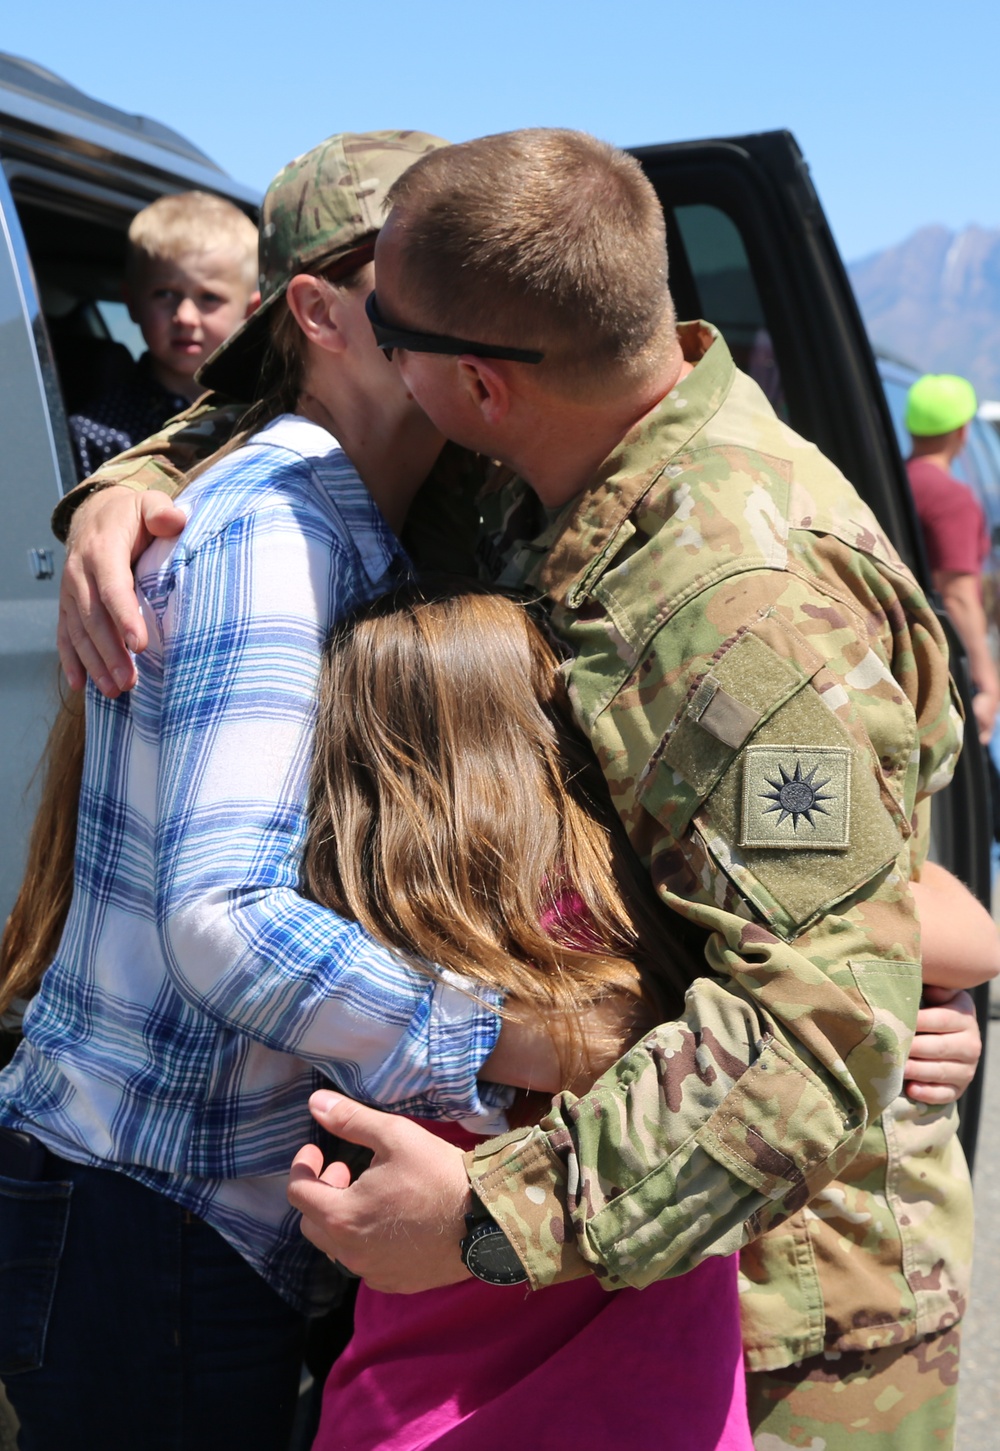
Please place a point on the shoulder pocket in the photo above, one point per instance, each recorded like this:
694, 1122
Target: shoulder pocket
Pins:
789, 803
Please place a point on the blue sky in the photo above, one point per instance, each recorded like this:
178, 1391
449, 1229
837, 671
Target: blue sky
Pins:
896, 106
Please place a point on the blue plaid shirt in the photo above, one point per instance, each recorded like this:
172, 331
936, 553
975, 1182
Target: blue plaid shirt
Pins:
196, 996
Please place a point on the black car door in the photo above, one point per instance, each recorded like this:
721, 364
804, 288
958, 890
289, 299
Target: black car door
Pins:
751, 251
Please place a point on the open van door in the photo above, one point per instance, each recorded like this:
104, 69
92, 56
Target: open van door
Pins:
751, 251
35, 468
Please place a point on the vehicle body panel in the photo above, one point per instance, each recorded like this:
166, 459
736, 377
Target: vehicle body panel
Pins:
73, 172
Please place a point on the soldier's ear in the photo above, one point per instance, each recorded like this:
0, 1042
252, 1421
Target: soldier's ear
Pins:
486, 386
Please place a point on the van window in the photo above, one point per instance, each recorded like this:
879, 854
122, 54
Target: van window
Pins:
120, 326
727, 296
77, 249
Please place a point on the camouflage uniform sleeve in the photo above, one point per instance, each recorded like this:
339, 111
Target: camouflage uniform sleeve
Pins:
772, 783
160, 461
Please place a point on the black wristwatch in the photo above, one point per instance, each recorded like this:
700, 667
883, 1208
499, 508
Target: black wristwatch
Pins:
487, 1251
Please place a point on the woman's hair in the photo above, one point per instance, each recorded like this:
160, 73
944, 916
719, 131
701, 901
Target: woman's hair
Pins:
35, 925
458, 815
282, 373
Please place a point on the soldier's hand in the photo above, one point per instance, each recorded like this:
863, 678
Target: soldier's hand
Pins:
99, 617
946, 1048
399, 1226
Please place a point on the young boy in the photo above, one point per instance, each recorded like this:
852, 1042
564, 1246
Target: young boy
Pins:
191, 279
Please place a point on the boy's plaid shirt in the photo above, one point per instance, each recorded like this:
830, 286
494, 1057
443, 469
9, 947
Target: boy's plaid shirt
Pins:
196, 997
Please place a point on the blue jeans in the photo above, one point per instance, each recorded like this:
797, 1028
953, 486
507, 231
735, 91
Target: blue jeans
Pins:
128, 1324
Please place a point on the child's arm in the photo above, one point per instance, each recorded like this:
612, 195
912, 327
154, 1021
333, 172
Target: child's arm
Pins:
960, 942
946, 1047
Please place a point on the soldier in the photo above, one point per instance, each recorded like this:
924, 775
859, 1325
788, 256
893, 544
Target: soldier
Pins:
768, 695
767, 692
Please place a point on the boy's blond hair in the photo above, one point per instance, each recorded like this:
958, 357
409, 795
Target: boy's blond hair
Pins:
191, 221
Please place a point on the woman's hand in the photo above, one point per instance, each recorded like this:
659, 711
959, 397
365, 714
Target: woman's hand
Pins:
99, 616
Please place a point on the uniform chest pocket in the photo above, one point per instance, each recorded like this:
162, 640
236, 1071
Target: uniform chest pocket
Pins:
790, 804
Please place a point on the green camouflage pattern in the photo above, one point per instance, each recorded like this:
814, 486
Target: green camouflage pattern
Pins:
722, 589
442, 527
904, 1398
331, 198
317, 210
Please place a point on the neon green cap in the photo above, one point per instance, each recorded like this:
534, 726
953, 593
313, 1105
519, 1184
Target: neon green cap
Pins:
939, 403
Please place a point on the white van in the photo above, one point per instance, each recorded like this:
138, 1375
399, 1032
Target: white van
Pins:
73, 172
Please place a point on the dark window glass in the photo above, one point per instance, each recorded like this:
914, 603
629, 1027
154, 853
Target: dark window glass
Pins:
727, 295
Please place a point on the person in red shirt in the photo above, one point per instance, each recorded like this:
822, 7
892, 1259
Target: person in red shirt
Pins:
938, 410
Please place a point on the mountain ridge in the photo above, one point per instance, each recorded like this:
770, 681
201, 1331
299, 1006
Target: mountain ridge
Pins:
934, 299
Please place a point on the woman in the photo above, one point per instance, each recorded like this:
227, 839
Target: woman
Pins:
194, 997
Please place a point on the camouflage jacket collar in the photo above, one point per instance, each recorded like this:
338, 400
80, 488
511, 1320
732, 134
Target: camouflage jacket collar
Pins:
581, 537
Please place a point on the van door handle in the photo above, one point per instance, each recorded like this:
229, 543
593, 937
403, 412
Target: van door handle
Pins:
43, 565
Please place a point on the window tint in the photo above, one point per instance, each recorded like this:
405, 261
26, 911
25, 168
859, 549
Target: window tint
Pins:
727, 295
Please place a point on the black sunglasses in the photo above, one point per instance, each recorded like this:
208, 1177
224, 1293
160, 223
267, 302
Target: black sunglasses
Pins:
388, 336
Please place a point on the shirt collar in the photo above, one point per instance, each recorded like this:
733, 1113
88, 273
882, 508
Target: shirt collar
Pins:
580, 535
363, 523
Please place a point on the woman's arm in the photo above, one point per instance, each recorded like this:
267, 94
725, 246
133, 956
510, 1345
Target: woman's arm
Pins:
224, 713
551, 1053
960, 942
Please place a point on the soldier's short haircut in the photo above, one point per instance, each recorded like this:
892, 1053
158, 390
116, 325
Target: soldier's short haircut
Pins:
191, 221
546, 239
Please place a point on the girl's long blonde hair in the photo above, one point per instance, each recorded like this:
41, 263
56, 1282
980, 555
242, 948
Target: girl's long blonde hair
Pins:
459, 816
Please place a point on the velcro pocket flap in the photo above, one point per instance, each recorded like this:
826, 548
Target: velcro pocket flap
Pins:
802, 819
742, 688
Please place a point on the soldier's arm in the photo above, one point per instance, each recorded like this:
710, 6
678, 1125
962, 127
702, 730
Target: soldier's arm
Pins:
160, 461
107, 522
721, 1124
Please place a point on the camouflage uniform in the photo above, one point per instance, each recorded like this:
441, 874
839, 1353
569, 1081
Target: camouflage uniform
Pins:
903, 1398
768, 694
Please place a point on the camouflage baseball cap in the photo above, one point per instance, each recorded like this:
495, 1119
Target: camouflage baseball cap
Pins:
318, 210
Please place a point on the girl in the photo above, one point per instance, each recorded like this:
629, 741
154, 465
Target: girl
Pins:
460, 818
456, 813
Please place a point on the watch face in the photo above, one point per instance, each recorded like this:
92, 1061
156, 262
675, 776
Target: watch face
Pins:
488, 1253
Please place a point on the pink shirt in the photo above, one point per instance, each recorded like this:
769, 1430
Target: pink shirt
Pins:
476, 1367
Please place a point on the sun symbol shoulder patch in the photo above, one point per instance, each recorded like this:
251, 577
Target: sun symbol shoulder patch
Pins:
797, 798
